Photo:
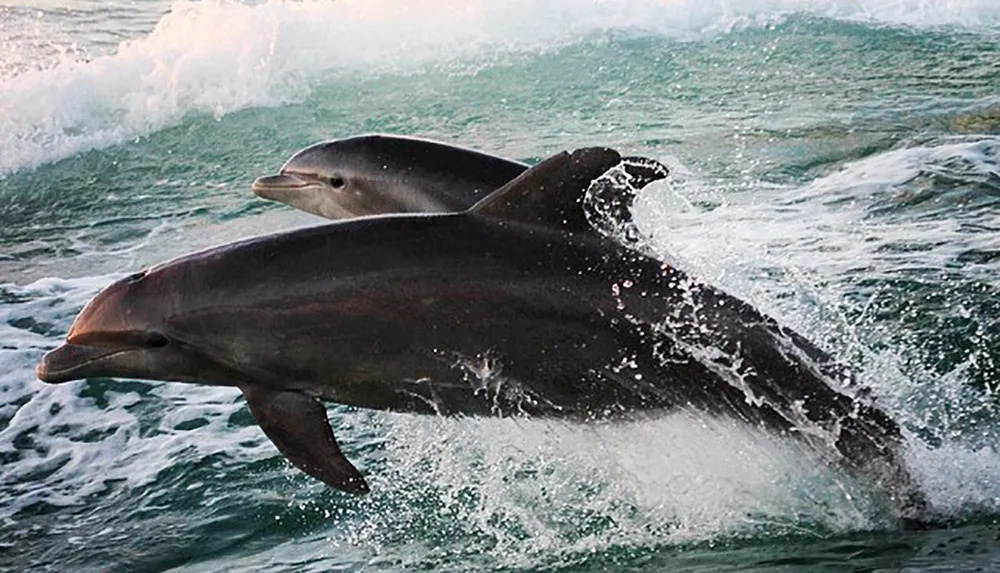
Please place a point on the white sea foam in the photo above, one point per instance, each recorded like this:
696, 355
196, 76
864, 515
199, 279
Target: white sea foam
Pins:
791, 250
64, 465
757, 236
219, 56
677, 478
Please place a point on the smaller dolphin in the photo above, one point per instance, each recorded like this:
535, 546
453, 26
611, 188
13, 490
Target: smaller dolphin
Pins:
377, 174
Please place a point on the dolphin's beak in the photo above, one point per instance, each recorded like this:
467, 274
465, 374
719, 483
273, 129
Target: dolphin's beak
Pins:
272, 186
74, 361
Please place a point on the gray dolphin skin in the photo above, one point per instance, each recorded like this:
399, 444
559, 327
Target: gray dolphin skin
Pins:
515, 307
377, 173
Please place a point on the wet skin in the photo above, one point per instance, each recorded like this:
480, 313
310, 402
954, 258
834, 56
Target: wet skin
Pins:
376, 174
514, 307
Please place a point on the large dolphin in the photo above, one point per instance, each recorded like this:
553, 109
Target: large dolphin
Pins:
379, 173
515, 307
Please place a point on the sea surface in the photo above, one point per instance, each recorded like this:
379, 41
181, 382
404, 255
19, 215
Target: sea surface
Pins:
836, 163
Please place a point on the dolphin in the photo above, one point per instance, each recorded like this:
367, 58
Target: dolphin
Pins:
514, 307
378, 173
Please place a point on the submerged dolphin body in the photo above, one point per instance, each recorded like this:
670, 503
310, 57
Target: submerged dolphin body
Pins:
376, 174
513, 307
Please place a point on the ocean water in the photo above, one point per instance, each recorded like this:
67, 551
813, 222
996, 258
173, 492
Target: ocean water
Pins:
835, 163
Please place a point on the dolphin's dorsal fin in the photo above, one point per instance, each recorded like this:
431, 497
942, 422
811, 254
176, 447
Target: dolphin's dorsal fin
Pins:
298, 426
550, 192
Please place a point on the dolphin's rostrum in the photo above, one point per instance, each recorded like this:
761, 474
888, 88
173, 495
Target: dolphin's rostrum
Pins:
429, 313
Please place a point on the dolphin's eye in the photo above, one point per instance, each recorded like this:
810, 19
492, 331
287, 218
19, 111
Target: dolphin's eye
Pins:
337, 181
156, 340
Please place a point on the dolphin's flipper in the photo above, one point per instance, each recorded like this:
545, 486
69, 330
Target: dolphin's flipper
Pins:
298, 426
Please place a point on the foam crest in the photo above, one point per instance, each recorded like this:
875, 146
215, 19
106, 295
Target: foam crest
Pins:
973, 159
220, 56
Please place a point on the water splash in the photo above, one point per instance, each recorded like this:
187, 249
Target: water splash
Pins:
873, 262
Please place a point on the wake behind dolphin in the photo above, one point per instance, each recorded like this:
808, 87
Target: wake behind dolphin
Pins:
515, 307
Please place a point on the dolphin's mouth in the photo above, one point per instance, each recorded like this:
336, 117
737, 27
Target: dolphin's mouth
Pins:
269, 186
75, 361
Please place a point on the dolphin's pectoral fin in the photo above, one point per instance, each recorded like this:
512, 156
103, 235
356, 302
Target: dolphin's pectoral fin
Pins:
298, 426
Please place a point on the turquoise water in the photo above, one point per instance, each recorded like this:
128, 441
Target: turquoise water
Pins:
837, 164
